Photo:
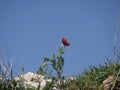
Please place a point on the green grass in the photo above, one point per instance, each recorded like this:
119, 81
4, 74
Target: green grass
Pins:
91, 79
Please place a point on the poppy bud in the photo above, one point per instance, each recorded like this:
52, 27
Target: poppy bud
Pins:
65, 42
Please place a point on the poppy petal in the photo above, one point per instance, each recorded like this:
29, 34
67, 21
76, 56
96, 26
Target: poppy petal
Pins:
65, 42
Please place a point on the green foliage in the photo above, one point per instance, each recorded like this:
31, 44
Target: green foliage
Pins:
90, 79
57, 64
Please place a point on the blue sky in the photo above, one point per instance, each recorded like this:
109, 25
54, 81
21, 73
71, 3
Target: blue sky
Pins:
32, 29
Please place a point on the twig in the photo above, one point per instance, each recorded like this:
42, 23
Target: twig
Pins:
115, 80
115, 44
115, 39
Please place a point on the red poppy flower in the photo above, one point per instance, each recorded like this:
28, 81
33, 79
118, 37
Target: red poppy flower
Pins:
65, 42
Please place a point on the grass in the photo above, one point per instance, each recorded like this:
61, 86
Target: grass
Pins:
90, 79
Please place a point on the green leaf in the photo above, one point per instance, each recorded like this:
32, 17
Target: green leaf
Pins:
61, 51
46, 59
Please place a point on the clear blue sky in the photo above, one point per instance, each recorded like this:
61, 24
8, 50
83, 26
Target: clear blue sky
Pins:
32, 29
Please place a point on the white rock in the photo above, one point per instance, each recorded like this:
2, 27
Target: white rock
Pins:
38, 78
32, 84
1, 79
54, 88
31, 77
49, 80
33, 80
28, 77
42, 84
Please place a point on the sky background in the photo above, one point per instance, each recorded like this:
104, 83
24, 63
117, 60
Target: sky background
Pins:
32, 29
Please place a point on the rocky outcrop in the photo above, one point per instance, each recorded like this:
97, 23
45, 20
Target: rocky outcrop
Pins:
111, 83
108, 83
34, 80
